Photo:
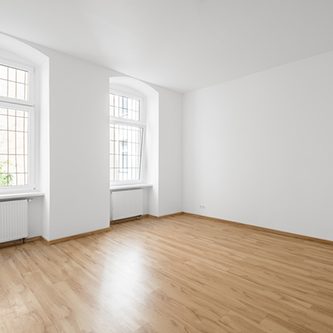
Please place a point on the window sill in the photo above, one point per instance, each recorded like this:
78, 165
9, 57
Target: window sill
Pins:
21, 195
116, 188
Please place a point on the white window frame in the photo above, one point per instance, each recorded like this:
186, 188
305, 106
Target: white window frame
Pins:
136, 123
30, 70
29, 106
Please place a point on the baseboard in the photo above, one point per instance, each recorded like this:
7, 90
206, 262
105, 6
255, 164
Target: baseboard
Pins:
164, 216
11, 243
84, 234
65, 239
20, 241
135, 218
33, 239
127, 219
264, 229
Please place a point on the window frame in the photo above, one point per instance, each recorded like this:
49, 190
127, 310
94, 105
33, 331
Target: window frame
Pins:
27, 106
129, 122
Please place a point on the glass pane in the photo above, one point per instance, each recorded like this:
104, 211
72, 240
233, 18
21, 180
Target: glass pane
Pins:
3, 72
3, 122
20, 76
11, 123
13, 83
11, 89
3, 143
19, 124
20, 91
11, 74
13, 147
125, 107
125, 152
3, 88
21, 179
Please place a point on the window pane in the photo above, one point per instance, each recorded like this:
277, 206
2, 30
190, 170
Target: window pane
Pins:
125, 152
11, 89
13, 83
13, 147
19, 123
3, 72
20, 76
3, 88
124, 107
20, 91
11, 74
3, 122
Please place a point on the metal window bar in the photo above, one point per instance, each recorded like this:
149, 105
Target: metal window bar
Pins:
14, 133
125, 152
126, 138
125, 107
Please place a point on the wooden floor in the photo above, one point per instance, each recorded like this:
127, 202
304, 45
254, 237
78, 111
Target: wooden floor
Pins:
178, 274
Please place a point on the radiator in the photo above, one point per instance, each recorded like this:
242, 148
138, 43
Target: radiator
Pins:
13, 220
125, 204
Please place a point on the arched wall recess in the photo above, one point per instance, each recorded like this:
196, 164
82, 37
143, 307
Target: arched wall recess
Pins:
15, 50
151, 156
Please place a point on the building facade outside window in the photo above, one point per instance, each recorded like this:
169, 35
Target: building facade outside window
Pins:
127, 127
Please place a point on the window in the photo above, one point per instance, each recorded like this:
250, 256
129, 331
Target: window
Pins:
16, 113
126, 138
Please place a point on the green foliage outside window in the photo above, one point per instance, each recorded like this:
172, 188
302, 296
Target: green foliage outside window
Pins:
5, 178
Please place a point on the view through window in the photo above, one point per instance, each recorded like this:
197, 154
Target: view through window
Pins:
126, 138
15, 117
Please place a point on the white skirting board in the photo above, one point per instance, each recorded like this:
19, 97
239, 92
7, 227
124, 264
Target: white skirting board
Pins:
13, 220
125, 204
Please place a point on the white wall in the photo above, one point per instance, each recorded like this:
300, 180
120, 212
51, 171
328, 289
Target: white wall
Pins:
35, 217
79, 146
170, 148
259, 150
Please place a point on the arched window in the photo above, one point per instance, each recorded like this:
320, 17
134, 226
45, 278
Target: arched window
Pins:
16, 126
127, 126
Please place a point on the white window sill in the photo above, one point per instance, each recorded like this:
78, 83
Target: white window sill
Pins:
115, 188
21, 195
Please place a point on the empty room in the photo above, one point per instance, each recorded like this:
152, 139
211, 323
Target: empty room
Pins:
166, 166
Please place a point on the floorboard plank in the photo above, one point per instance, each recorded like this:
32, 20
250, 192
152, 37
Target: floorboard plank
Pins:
175, 274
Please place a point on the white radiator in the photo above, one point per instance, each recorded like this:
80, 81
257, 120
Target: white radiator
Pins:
13, 220
125, 204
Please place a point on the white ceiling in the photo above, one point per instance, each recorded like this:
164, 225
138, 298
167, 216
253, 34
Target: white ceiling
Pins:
180, 44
